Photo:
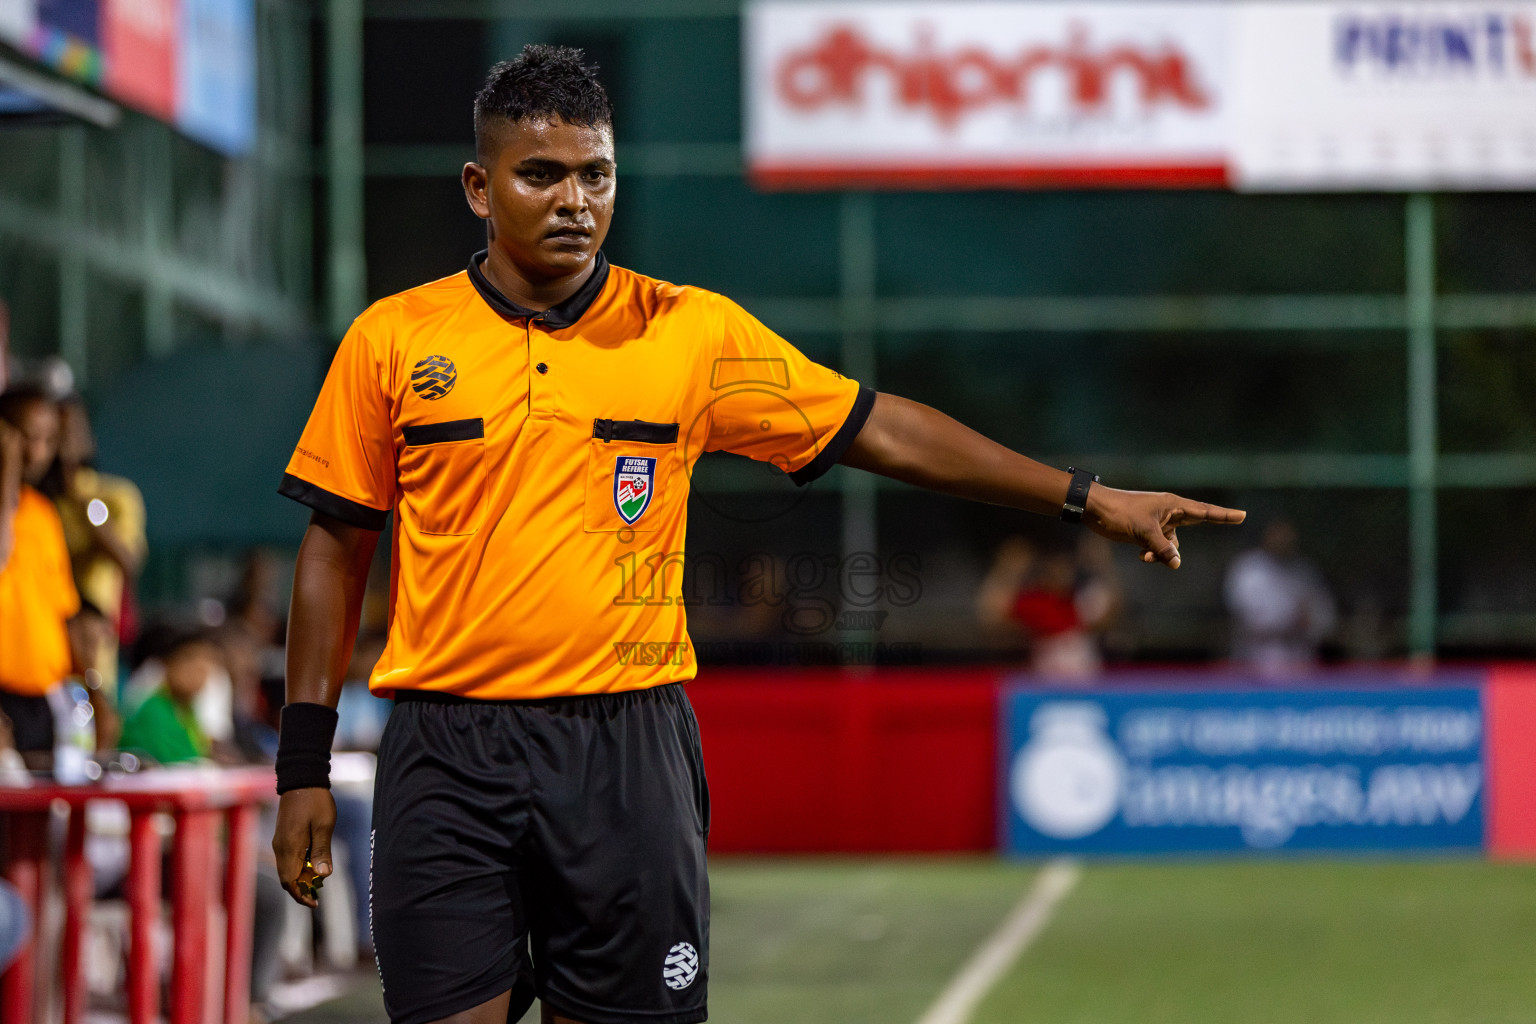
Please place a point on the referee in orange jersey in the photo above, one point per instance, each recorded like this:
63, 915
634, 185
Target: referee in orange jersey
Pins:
541, 810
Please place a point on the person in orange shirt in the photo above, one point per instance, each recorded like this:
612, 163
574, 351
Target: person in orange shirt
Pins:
103, 517
541, 810
37, 587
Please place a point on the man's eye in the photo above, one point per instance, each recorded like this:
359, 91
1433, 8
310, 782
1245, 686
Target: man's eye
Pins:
595, 176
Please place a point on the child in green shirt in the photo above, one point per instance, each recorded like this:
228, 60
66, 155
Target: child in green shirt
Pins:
165, 726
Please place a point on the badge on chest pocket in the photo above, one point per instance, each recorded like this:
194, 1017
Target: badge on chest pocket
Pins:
633, 470
634, 484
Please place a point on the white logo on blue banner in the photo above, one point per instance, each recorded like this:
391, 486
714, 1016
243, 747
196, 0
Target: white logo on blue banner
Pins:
1152, 770
1066, 779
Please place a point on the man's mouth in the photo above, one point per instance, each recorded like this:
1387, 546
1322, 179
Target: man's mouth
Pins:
570, 233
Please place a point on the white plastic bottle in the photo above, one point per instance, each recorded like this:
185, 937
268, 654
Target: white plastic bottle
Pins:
74, 737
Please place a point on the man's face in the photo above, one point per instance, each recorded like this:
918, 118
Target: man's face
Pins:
39, 425
547, 195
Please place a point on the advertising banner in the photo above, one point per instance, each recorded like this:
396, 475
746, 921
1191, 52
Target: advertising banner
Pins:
1210, 771
1384, 96
979, 93
189, 62
1255, 94
67, 37
139, 44
217, 73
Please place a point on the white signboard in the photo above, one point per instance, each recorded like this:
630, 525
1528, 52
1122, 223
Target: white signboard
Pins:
986, 93
1260, 94
1388, 96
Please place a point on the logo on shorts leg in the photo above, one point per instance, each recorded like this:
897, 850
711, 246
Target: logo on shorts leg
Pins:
634, 481
681, 967
434, 377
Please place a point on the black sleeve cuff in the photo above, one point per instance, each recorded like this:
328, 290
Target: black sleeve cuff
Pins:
829, 455
333, 505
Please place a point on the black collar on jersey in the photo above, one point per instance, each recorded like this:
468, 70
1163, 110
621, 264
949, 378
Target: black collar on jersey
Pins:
558, 317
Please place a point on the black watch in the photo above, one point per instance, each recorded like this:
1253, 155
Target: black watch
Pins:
1077, 494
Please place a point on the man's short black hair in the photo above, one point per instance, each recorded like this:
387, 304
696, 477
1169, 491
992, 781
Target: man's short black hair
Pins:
542, 82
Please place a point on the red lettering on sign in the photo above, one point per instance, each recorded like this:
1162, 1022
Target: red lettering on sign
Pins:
835, 69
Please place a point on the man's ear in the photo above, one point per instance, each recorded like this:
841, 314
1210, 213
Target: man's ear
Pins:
477, 181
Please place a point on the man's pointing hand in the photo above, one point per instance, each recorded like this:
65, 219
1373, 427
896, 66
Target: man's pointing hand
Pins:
1150, 519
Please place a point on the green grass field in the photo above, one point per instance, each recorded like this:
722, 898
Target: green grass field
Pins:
1198, 942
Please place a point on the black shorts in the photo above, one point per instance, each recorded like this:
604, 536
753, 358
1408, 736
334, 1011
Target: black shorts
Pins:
31, 721
553, 848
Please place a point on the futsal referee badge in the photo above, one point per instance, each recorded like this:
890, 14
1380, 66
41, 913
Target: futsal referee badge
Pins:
634, 481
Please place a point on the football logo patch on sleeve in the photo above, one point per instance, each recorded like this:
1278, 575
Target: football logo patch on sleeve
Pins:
634, 483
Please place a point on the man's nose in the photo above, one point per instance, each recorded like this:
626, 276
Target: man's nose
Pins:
571, 197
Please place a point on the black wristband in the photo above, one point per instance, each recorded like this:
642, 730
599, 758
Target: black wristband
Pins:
1077, 494
304, 737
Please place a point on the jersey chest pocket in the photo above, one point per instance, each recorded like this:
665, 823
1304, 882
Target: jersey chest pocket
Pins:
442, 476
634, 477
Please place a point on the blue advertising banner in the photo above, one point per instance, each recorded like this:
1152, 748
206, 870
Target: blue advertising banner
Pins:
217, 74
1170, 771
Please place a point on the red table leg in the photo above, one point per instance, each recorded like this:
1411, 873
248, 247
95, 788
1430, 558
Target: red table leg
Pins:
143, 891
240, 913
192, 881
29, 845
77, 912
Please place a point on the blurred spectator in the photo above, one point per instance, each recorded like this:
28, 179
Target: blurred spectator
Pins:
103, 519
15, 923
255, 720
1281, 608
37, 589
255, 605
1060, 600
214, 706
89, 631
13, 770
254, 610
166, 726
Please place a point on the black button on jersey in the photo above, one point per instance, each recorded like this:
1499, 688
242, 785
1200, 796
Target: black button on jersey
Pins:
542, 367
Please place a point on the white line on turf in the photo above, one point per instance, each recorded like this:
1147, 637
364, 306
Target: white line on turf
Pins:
993, 958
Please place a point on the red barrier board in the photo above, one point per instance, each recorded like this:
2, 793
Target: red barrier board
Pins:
1510, 707
827, 760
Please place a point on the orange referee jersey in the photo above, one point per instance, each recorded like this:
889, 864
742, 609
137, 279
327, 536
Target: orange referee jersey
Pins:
538, 465
37, 597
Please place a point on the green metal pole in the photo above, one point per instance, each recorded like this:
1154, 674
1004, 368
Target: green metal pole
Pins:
856, 244
74, 315
347, 278
159, 228
1423, 441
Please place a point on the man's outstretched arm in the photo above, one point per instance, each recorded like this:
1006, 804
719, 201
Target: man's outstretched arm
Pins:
919, 445
328, 584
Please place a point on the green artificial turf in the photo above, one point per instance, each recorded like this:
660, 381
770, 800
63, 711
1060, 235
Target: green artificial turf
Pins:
830, 941
1289, 942
848, 942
